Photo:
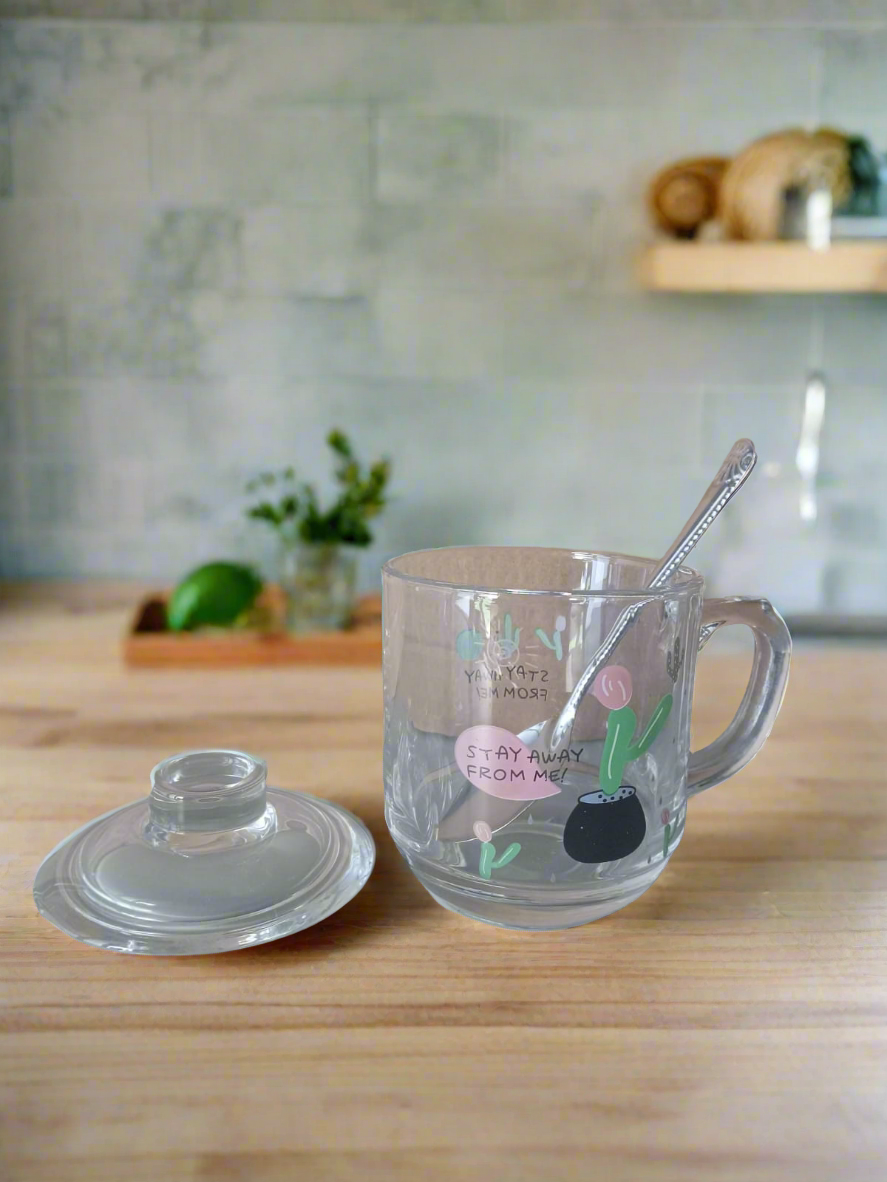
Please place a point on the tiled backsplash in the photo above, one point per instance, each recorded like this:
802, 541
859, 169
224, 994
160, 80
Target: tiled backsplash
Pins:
219, 237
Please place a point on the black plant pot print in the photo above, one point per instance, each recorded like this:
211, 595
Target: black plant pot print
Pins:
604, 828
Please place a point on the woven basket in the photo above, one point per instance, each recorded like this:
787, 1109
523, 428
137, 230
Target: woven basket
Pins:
752, 188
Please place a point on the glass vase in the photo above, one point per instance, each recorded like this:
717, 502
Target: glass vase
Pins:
319, 583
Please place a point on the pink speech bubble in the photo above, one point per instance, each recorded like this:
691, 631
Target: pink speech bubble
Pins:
499, 763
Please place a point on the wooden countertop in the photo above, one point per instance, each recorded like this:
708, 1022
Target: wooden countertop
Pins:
732, 1024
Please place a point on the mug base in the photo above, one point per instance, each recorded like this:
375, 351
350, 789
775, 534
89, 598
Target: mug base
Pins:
539, 915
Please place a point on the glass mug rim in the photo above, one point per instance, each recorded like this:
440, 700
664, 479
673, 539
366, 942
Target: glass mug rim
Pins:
690, 580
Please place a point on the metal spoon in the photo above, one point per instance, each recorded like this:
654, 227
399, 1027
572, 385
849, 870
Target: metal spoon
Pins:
554, 734
731, 476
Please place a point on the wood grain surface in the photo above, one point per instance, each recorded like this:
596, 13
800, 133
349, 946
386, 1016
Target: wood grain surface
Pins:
731, 1025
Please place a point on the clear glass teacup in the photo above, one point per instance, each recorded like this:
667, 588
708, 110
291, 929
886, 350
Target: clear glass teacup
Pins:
483, 647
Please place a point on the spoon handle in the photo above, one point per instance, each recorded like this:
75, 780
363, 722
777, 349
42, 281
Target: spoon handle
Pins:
731, 475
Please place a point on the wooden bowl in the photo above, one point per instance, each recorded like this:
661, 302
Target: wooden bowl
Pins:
683, 196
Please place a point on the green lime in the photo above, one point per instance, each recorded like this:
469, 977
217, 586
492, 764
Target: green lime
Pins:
213, 594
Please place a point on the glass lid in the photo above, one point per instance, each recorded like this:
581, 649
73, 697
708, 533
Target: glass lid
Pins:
211, 861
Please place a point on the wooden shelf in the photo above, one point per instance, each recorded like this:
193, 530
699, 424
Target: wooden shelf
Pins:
765, 267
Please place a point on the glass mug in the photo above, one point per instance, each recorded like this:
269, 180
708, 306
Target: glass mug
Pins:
482, 648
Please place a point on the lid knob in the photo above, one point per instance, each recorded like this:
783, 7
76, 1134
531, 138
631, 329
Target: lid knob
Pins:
201, 791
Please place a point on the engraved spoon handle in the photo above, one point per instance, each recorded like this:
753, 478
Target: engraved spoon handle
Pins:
732, 474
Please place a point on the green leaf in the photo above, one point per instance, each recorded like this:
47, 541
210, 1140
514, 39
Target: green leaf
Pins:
299, 514
654, 726
508, 856
338, 441
264, 512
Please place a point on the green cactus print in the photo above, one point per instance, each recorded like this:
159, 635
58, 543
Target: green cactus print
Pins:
512, 635
620, 747
489, 862
469, 644
472, 644
674, 660
555, 643
666, 840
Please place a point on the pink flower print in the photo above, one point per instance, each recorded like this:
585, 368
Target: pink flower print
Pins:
482, 831
612, 687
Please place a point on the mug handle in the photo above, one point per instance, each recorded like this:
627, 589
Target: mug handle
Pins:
754, 719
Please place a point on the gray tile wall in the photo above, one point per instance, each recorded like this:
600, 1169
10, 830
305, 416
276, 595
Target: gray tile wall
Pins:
227, 225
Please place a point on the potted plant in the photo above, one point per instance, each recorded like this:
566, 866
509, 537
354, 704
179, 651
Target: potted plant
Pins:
318, 560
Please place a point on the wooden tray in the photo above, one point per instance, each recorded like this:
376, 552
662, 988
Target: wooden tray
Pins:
149, 645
